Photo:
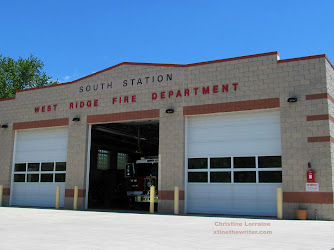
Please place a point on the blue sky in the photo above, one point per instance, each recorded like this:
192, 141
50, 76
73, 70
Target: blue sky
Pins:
76, 38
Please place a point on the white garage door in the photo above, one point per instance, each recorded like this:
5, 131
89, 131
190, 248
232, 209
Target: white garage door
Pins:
39, 166
233, 163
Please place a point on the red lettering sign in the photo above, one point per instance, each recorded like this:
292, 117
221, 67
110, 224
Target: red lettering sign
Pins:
170, 93
133, 98
206, 90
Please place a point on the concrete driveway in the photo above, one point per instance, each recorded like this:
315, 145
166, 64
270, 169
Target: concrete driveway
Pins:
29, 228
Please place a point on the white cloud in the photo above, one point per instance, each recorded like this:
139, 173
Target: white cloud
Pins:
67, 78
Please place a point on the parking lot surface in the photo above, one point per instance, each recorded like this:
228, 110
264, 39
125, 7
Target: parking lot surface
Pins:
32, 228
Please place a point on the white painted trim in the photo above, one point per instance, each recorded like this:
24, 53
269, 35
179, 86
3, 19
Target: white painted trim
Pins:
88, 163
185, 164
13, 166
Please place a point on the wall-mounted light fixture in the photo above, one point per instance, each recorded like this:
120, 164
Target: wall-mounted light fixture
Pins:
4, 125
292, 99
169, 111
76, 119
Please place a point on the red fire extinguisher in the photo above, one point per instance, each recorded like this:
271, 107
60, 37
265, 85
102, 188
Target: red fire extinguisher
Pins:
310, 175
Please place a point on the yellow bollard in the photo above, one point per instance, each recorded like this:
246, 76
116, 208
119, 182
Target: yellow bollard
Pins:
75, 200
279, 203
57, 197
1, 194
176, 200
152, 194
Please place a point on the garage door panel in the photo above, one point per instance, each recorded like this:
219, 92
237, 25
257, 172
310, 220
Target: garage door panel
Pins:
39, 146
34, 194
239, 138
244, 149
234, 199
237, 134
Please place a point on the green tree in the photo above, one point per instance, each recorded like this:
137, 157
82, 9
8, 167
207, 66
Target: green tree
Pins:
21, 74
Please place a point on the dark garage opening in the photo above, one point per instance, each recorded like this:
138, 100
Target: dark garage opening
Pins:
123, 165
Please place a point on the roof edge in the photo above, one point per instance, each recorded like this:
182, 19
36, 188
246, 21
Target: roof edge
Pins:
307, 58
7, 99
155, 65
301, 58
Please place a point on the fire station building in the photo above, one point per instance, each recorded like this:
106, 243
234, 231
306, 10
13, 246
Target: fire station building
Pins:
228, 133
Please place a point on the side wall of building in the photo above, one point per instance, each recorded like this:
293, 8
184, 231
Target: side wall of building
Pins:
330, 91
305, 131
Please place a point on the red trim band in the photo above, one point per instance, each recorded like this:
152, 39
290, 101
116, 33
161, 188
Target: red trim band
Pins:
308, 197
7, 99
125, 116
70, 193
41, 124
232, 106
169, 195
316, 96
323, 117
6, 191
320, 139
302, 58
318, 117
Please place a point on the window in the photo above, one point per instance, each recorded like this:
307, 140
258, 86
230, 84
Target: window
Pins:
60, 166
270, 162
40, 172
47, 166
46, 177
60, 178
19, 177
122, 160
245, 176
33, 178
244, 162
103, 159
33, 166
220, 162
20, 167
197, 177
246, 169
220, 177
270, 176
197, 163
